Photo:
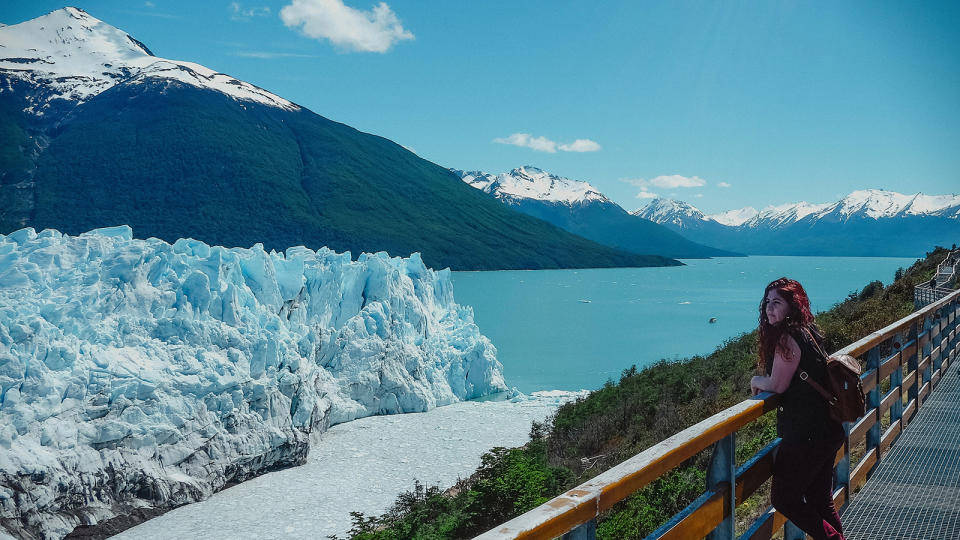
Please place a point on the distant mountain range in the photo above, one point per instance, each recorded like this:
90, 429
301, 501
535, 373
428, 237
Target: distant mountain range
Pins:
97, 131
864, 223
582, 209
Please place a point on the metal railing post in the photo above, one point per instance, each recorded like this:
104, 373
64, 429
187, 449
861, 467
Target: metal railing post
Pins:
873, 402
947, 356
955, 328
841, 475
896, 381
723, 469
935, 363
587, 531
924, 377
912, 363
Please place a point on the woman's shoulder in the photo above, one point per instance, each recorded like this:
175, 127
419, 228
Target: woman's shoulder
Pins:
809, 341
789, 346
805, 335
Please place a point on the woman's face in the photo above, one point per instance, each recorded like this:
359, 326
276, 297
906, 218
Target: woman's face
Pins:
776, 307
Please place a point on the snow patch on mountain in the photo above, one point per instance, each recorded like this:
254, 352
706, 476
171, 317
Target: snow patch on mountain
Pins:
872, 203
878, 204
933, 205
733, 218
662, 211
75, 56
532, 183
784, 214
139, 374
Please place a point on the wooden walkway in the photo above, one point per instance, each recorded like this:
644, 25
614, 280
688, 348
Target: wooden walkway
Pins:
913, 464
914, 494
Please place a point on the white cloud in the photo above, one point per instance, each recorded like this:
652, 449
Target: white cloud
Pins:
723, 184
543, 144
666, 182
699, 195
266, 54
241, 13
580, 145
363, 31
540, 144
149, 4
675, 180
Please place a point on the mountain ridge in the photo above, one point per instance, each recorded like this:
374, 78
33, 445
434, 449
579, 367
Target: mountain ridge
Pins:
873, 203
86, 56
528, 182
97, 132
580, 208
869, 222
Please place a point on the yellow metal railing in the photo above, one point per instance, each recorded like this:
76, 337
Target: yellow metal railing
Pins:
912, 354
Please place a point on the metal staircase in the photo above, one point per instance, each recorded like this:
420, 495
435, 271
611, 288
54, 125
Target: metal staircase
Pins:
941, 284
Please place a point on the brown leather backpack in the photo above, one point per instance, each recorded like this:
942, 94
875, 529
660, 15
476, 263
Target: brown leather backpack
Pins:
844, 391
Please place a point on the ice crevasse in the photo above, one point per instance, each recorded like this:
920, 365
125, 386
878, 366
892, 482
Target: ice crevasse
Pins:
138, 374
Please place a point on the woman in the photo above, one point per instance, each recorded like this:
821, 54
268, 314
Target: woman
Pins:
803, 471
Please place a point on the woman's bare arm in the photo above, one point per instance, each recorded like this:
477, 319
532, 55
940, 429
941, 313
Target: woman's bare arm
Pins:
786, 358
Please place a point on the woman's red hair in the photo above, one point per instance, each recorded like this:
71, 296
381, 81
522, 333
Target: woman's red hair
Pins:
798, 317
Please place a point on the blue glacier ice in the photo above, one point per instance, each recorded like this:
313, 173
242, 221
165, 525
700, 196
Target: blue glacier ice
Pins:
141, 374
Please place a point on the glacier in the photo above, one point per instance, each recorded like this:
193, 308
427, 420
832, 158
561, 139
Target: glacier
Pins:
138, 375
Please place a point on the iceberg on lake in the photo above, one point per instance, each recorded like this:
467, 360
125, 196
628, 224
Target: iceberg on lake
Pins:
136, 375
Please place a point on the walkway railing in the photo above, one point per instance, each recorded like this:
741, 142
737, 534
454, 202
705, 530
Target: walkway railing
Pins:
942, 283
904, 362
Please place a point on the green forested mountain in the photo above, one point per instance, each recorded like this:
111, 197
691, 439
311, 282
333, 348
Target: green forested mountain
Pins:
173, 160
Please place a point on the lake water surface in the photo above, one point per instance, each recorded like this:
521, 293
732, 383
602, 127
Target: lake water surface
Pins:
574, 329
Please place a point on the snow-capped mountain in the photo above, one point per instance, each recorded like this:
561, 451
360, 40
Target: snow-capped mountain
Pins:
532, 183
75, 56
137, 375
911, 224
734, 217
771, 216
870, 203
880, 204
677, 213
101, 132
580, 208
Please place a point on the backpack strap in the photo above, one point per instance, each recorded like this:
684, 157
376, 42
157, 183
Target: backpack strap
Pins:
831, 399
812, 340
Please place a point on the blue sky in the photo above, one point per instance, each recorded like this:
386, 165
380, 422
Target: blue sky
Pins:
744, 103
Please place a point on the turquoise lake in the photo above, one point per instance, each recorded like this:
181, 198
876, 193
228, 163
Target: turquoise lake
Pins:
575, 329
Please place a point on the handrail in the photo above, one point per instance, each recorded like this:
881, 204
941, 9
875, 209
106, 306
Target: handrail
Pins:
950, 260
918, 349
938, 287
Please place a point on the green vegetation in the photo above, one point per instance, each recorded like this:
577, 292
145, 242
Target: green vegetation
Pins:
174, 161
588, 436
15, 144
